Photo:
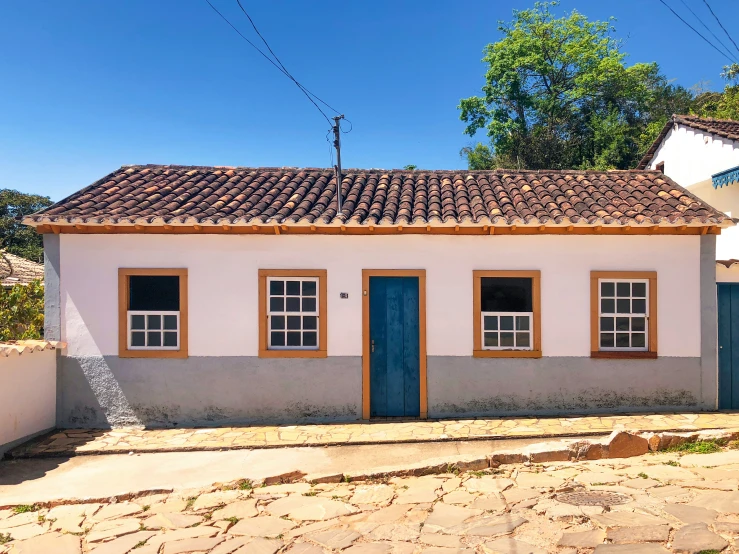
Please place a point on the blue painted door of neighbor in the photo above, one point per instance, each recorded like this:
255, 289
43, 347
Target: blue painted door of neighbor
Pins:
394, 347
728, 346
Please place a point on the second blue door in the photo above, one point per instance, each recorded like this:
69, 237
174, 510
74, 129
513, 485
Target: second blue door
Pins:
394, 347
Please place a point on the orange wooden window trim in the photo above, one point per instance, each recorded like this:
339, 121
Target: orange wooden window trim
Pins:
477, 350
595, 351
421, 274
322, 351
123, 277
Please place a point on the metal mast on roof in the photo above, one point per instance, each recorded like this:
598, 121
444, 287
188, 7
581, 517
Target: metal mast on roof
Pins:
337, 167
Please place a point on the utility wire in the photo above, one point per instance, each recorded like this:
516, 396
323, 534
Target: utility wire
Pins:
303, 89
728, 51
694, 30
720, 24
278, 59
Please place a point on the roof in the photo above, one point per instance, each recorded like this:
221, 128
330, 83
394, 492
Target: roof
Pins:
15, 270
185, 195
27, 346
726, 128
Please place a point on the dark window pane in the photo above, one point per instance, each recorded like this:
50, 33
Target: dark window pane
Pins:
310, 338
638, 340
293, 322
623, 306
606, 324
310, 322
622, 324
623, 289
276, 304
607, 306
506, 339
155, 322
522, 340
137, 322
278, 321
292, 288
293, 338
155, 293
607, 289
506, 322
309, 288
639, 290
292, 304
606, 340
154, 339
622, 340
491, 339
170, 339
491, 323
277, 338
639, 306
638, 323
522, 323
309, 304
277, 287
170, 322
505, 294
138, 339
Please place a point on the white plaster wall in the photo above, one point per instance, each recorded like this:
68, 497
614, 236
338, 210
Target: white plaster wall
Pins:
27, 394
727, 274
223, 294
725, 199
691, 156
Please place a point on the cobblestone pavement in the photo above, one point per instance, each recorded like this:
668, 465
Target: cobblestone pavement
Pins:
657, 503
90, 441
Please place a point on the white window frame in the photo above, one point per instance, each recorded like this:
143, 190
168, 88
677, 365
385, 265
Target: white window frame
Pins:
301, 313
145, 330
529, 331
645, 315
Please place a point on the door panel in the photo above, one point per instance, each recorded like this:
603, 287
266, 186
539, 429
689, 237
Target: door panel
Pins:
728, 346
394, 351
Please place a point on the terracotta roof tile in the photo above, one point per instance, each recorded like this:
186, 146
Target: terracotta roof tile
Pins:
15, 270
214, 195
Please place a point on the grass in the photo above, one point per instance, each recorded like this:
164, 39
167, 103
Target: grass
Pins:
139, 544
145, 507
643, 475
5, 537
233, 519
709, 552
672, 463
478, 474
698, 447
246, 485
25, 508
190, 502
346, 479
599, 484
310, 493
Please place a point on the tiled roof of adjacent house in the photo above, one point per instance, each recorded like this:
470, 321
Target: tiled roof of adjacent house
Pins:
177, 195
726, 128
15, 270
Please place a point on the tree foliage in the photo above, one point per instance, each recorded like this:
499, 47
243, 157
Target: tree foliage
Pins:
558, 94
15, 237
22, 312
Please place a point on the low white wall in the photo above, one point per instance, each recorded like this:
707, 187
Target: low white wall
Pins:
27, 395
223, 291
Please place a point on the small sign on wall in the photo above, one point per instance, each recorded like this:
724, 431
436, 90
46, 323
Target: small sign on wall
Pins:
343, 295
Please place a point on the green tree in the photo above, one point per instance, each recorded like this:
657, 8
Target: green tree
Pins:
15, 237
558, 94
22, 312
721, 105
410, 167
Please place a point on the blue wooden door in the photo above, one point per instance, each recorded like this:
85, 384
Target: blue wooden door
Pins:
394, 347
728, 346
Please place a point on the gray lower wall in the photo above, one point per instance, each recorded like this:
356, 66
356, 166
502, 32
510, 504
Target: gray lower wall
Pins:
709, 323
52, 296
111, 391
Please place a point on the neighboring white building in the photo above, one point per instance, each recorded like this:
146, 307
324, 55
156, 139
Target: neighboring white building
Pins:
207, 295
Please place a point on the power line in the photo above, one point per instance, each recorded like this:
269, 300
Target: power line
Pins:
303, 89
728, 51
694, 30
720, 24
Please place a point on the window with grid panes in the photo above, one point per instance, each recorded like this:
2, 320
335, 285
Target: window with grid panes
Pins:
623, 317
292, 313
506, 309
153, 312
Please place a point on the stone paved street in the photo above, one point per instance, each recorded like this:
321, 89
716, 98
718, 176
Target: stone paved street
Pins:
656, 503
86, 441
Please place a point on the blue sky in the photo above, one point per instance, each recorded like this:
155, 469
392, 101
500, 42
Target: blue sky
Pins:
90, 85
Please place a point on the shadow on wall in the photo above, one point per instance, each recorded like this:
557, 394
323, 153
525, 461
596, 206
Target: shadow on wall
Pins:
108, 391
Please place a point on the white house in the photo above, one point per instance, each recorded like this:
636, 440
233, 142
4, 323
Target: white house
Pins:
196, 295
702, 155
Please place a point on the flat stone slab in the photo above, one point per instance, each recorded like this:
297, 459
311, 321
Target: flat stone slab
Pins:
493, 526
690, 514
627, 519
115, 511
722, 502
459, 497
437, 539
242, 509
180, 534
369, 548
46, 544
515, 495
374, 494
174, 520
710, 460
643, 533
695, 538
230, 545
487, 484
538, 481
264, 526
335, 539
215, 499
199, 544
396, 532
728, 485
444, 516
583, 539
124, 544
630, 549
112, 529
511, 546
489, 503
310, 508
261, 546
